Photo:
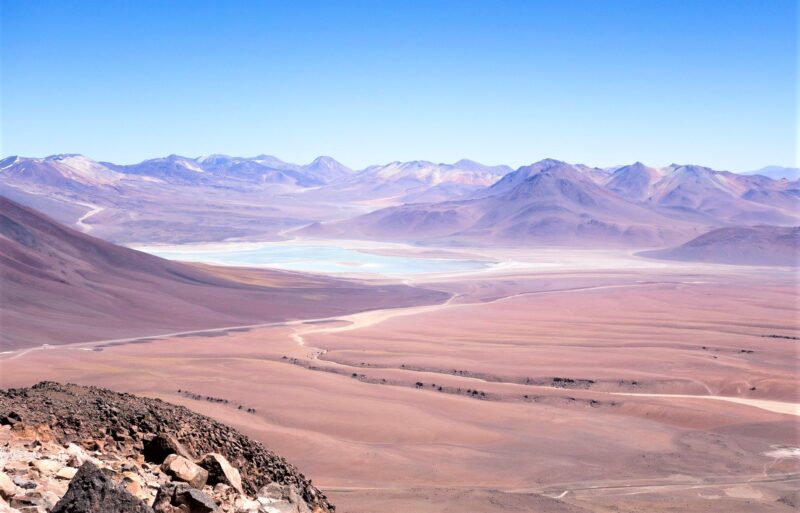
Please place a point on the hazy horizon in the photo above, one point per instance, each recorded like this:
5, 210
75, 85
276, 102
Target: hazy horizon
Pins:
695, 83
384, 163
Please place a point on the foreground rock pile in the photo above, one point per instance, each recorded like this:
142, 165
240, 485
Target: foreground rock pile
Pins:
73, 449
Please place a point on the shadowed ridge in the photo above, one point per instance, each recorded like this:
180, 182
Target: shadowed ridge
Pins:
742, 245
60, 285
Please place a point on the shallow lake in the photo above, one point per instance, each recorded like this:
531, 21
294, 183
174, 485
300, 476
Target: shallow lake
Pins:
317, 258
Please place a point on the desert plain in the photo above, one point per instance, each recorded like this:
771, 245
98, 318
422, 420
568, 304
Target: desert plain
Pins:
553, 380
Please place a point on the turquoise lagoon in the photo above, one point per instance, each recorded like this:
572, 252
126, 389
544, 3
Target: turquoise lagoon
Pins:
315, 258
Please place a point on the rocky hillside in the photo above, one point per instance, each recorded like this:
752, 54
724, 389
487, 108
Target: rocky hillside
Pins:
75, 449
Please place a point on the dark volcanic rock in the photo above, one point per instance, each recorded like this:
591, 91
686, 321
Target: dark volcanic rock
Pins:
174, 497
220, 471
10, 419
77, 414
90, 491
160, 446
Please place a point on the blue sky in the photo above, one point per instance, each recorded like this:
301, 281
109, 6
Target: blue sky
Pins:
597, 82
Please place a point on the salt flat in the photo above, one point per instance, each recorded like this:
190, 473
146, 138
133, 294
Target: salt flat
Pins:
346, 257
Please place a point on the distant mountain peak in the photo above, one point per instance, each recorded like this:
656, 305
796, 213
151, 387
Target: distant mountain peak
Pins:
65, 156
328, 162
174, 157
477, 167
328, 169
211, 157
325, 159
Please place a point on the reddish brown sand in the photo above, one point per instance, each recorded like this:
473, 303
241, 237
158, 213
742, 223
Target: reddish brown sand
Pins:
356, 402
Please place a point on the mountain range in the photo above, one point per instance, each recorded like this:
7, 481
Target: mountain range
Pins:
548, 202
553, 202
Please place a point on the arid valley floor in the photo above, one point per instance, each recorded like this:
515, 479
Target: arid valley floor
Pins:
582, 381
471, 256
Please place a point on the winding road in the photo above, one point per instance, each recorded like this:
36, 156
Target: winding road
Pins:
81, 222
372, 317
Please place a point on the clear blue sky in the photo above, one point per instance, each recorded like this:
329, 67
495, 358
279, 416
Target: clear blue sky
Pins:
597, 82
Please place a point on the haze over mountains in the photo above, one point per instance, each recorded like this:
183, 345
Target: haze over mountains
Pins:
777, 172
262, 198
558, 203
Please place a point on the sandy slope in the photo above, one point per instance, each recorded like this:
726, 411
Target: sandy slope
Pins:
60, 285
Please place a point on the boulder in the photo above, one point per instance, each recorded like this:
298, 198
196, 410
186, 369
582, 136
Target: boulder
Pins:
185, 470
180, 497
24, 483
7, 486
66, 473
31, 500
47, 466
10, 418
278, 498
160, 446
76, 456
50, 499
221, 471
90, 491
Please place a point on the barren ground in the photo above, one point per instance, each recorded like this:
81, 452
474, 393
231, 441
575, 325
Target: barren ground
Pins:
531, 389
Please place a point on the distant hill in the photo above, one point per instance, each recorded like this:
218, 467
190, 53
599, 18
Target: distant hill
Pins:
59, 285
777, 172
754, 245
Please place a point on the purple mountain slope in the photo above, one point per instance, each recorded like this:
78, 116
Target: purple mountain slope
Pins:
753, 245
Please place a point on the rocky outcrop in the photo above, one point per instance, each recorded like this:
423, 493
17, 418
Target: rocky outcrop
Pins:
184, 470
182, 498
91, 491
220, 471
157, 448
73, 449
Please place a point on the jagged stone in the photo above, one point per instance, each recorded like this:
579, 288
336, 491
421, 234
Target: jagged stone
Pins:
184, 470
90, 491
50, 499
66, 473
276, 498
175, 497
221, 471
77, 456
10, 418
24, 483
47, 466
7, 486
31, 499
162, 445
